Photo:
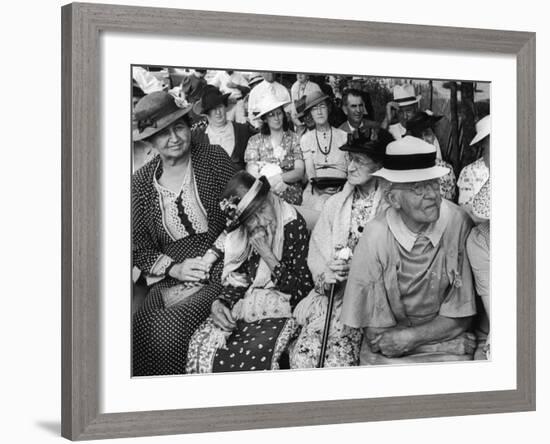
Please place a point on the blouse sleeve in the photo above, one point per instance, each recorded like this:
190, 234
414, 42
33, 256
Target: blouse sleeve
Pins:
146, 253
366, 302
292, 275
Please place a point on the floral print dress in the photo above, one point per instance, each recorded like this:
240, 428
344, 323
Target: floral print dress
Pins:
260, 150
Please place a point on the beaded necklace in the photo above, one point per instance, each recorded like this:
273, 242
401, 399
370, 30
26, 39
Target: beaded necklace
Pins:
326, 150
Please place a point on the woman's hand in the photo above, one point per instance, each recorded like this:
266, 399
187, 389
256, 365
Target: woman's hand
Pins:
222, 317
391, 111
392, 343
261, 242
191, 270
337, 272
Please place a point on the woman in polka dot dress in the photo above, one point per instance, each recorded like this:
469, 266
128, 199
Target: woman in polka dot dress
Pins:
265, 275
177, 234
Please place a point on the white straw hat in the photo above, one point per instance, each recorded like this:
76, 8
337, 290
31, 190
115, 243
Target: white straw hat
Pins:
269, 103
483, 129
405, 95
410, 160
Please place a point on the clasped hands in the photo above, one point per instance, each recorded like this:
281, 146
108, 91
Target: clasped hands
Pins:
195, 269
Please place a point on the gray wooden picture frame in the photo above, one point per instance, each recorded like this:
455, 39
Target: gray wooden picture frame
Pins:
81, 172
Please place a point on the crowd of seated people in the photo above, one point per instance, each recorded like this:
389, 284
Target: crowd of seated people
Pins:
251, 207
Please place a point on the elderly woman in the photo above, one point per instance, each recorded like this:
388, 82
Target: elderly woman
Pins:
231, 136
333, 240
410, 285
265, 275
320, 147
176, 225
275, 152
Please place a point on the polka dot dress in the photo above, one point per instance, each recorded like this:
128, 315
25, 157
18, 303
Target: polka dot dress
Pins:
160, 336
257, 345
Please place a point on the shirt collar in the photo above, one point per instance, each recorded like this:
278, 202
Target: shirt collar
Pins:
352, 128
211, 130
407, 238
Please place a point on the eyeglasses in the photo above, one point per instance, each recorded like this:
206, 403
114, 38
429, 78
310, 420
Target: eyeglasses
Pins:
359, 160
419, 188
321, 106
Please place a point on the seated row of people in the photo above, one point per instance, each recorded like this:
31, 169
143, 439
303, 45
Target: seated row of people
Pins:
241, 287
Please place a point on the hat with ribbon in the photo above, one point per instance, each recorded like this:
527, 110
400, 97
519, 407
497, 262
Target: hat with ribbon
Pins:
254, 80
156, 111
422, 120
328, 182
211, 98
268, 104
313, 99
241, 205
483, 129
375, 149
405, 95
410, 159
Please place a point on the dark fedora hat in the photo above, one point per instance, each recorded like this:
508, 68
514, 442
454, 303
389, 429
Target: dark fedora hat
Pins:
373, 148
422, 120
154, 112
211, 98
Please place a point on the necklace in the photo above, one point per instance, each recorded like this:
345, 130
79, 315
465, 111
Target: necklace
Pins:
325, 150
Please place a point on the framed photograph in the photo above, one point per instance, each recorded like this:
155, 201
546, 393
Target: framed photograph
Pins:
175, 263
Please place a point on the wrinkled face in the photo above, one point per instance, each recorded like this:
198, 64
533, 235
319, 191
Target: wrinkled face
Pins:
172, 142
217, 116
319, 113
418, 202
275, 119
406, 112
264, 218
302, 78
360, 168
354, 109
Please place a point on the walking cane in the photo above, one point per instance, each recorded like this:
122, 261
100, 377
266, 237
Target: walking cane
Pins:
324, 341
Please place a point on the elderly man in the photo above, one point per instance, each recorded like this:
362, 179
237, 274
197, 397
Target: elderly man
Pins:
355, 110
410, 284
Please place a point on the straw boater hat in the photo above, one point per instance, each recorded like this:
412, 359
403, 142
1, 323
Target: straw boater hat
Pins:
211, 98
405, 95
254, 80
410, 160
483, 129
155, 112
269, 103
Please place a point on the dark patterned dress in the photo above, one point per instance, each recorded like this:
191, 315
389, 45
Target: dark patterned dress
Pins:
160, 335
257, 345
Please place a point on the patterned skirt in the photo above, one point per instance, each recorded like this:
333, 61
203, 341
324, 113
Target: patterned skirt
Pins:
343, 345
251, 346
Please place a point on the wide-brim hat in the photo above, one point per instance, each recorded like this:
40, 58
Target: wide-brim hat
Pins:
211, 98
238, 209
483, 129
154, 112
404, 95
422, 120
313, 99
254, 80
410, 159
268, 104
374, 148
